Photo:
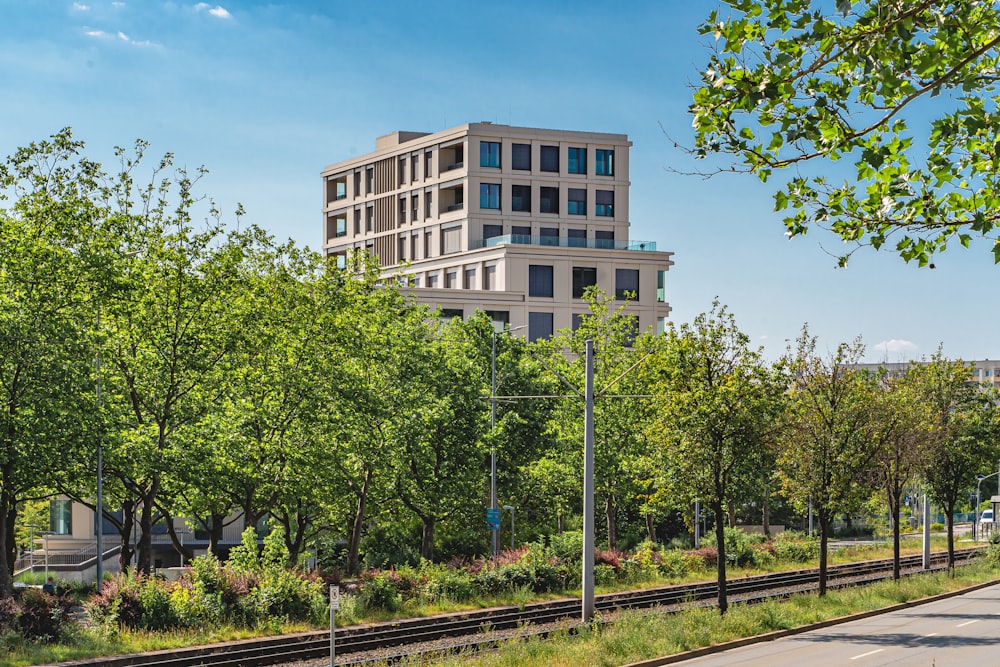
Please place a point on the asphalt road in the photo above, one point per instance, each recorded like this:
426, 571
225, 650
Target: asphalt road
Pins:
959, 631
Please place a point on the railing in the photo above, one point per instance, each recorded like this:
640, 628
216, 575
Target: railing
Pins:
452, 167
600, 244
456, 207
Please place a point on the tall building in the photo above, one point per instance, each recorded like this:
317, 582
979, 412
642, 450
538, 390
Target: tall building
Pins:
514, 221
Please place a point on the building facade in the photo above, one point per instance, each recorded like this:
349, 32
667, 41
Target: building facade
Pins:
516, 222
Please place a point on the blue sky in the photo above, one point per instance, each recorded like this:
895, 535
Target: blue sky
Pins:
266, 94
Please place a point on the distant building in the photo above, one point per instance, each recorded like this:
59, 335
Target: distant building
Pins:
984, 372
516, 222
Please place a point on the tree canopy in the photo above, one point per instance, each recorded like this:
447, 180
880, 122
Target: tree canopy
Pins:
904, 89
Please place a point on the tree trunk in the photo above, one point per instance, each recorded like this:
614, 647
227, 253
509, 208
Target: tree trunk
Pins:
12, 538
145, 547
357, 526
610, 512
427, 543
824, 539
720, 545
949, 519
766, 518
6, 537
125, 535
560, 525
894, 510
650, 528
215, 528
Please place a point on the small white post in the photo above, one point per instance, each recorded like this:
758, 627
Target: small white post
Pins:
927, 533
334, 606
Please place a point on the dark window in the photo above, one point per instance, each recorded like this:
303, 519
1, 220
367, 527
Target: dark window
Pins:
500, 318
489, 195
451, 313
402, 211
369, 218
633, 330
577, 163
627, 284
370, 180
357, 221
427, 164
577, 321
340, 226
549, 158
520, 156
489, 154
576, 201
605, 202
661, 292
548, 200
520, 234
402, 170
604, 239
341, 189
583, 277
539, 280
489, 231
357, 184
520, 198
413, 167
415, 205
61, 517
451, 279
539, 326
605, 162
576, 238
549, 235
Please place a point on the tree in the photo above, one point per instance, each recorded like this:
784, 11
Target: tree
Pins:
717, 405
823, 457
906, 89
965, 434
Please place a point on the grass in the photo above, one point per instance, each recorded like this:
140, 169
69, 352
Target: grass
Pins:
95, 642
636, 636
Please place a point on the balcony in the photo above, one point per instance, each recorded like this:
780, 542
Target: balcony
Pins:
599, 244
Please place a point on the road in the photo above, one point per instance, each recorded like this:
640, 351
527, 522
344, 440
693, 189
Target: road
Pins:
958, 631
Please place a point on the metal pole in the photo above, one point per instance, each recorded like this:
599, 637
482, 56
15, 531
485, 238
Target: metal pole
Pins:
927, 533
46, 558
588, 488
493, 443
697, 524
334, 602
975, 514
100, 467
810, 516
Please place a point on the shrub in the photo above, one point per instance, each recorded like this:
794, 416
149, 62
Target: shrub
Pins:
379, 591
703, 558
567, 547
937, 527
9, 611
795, 547
739, 547
42, 617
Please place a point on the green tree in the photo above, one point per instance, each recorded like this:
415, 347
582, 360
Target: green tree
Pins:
904, 90
965, 436
718, 403
824, 456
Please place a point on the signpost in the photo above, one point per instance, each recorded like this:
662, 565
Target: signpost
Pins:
493, 518
334, 606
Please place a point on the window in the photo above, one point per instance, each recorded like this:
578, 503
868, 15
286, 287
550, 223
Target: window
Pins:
490, 231
633, 330
604, 239
414, 206
357, 183
583, 277
469, 279
520, 198
451, 313
500, 318
369, 180
520, 156
489, 154
661, 291
490, 279
451, 279
548, 200
414, 162
61, 516
577, 321
452, 239
432, 280
577, 160
605, 162
369, 218
549, 158
402, 249
402, 170
576, 238
605, 202
489, 195
576, 201
414, 244
357, 221
427, 244
402, 211
539, 280
428, 206
520, 234
539, 326
661, 325
627, 284
427, 165
548, 235
340, 226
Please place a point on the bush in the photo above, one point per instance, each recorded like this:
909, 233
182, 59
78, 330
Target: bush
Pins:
739, 547
42, 617
796, 547
702, 559
379, 590
567, 547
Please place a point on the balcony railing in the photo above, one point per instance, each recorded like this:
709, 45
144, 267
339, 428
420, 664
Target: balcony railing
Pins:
600, 244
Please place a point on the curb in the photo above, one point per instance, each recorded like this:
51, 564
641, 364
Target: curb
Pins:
778, 634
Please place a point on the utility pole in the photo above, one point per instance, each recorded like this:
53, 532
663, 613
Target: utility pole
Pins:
588, 487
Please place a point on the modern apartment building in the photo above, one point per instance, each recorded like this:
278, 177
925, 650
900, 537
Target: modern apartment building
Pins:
514, 221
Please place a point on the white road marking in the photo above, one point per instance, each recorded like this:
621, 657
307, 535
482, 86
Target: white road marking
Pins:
962, 625
878, 650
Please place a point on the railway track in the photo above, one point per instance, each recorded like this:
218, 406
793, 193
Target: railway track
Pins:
363, 639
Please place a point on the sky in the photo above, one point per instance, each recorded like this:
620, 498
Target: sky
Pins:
267, 94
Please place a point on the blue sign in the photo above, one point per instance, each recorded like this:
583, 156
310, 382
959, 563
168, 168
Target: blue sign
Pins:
493, 518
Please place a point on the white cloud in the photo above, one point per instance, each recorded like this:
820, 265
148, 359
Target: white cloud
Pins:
100, 34
896, 346
81, 7
122, 37
117, 5
218, 11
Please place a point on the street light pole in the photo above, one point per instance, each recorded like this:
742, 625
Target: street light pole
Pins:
493, 425
100, 465
588, 487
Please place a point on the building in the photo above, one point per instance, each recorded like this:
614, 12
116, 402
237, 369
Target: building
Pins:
513, 221
985, 373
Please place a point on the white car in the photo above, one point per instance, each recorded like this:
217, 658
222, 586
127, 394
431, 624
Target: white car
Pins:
987, 517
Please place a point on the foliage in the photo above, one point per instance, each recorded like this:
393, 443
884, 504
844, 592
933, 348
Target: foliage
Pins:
905, 90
